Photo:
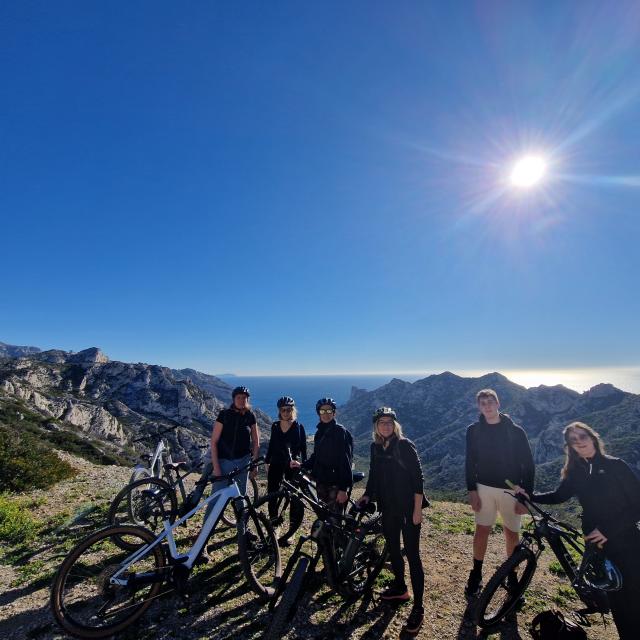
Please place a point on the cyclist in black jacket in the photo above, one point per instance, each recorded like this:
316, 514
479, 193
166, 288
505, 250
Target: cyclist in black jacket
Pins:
330, 462
288, 442
497, 450
397, 484
609, 493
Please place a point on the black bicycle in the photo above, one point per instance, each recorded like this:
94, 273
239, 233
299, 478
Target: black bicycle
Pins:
505, 589
352, 548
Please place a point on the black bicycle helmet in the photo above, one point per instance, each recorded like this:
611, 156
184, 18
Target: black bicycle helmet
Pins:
381, 412
599, 572
286, 401
239, 390
323, 401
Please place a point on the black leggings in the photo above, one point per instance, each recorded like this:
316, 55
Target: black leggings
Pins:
392, 525
624, 551
274, 478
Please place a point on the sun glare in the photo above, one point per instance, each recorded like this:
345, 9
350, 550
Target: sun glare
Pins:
528, 171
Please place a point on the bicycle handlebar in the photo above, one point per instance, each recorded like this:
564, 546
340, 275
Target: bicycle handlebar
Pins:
228, 476
530, 505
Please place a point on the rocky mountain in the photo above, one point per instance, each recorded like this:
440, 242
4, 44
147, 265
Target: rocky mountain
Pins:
436, 410
112, 403
13, 351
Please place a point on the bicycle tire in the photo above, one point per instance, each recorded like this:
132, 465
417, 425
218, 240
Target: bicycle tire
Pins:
253, 493
285, 610
259, 552
499, 598
134, 506
138, 474
78, 605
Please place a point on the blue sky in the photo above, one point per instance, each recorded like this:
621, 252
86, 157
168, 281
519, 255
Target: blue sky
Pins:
320, 187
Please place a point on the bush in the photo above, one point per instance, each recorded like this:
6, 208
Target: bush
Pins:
17, 525
26, 464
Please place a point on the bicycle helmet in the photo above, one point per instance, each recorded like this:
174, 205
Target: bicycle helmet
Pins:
286, 401
599, 572
323, 401
383, 411
239, 390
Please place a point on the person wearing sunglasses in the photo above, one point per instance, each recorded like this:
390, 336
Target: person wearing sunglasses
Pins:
288, 443
330, 462
609, 494
396, 483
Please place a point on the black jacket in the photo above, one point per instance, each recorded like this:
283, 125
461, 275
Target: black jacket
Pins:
395, 476
608, 491
295, 440
330, 462
498, 452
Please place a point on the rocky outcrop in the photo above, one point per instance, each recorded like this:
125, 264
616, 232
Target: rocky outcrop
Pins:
14, 351
118, 402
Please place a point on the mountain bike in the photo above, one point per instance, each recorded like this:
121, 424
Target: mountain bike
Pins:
162, 475
352, 548
113, 576
506, 587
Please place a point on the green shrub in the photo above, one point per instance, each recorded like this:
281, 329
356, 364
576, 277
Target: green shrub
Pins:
17, 525
26, 464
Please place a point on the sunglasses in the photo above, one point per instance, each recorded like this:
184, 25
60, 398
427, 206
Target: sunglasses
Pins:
324, 412
385, 423
286, 409
578, 437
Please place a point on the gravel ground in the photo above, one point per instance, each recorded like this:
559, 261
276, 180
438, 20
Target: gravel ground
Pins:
221, 607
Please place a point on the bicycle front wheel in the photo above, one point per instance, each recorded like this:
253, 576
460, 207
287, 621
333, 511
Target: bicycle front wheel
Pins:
83, 600
144, 503
367, 561
505, 588
286, 608
253, 492
259, 552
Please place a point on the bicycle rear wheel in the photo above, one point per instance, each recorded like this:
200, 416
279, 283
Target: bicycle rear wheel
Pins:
259, 552
83, 600
144, 503
286, 608
505, 588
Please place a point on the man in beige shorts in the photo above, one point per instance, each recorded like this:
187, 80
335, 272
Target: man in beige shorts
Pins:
497, 450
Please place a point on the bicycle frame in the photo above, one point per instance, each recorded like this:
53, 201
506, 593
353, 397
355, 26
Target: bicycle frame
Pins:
561, 538
220, 499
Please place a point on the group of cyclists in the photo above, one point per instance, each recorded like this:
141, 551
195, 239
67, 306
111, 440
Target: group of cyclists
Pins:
498, 456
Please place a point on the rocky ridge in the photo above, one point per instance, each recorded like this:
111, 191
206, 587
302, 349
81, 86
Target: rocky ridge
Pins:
436, 411
117, 402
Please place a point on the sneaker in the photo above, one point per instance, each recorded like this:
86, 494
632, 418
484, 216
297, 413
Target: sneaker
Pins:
414, 621
474, 585
395, 594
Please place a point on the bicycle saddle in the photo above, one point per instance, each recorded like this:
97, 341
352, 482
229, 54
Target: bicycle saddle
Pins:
358, 475
176, 466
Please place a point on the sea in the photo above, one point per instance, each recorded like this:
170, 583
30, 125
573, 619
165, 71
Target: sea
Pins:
306, 391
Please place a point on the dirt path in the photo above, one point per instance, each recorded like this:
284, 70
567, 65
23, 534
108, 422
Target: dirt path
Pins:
220, 605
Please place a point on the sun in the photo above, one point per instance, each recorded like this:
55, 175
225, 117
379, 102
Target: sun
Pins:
528, 171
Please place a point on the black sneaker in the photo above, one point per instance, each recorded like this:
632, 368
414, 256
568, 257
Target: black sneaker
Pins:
414, 621
395, 594
474, 585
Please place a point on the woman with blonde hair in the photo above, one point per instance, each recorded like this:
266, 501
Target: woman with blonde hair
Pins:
396, 483
609, 493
